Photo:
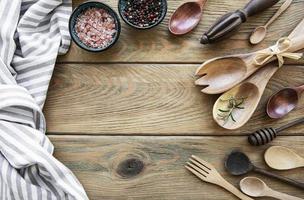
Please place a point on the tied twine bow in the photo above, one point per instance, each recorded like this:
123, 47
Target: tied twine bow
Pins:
280, 50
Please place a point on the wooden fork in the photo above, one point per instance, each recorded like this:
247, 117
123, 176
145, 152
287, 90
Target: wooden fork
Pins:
208, 173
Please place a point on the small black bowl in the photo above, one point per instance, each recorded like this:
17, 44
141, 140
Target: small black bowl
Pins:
79, 10
122, 5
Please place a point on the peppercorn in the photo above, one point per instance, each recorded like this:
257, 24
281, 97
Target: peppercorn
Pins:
143, 13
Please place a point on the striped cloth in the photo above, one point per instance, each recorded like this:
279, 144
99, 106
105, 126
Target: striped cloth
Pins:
32, 33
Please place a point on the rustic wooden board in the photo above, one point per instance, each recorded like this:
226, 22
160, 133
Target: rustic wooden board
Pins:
110, 167
158, 45
156, 99
134, 99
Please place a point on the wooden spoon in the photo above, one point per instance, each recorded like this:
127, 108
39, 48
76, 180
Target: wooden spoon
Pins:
282, 158
251, 90
186, 17
238, 163
284, 101
223, 73
255, 187
259, 33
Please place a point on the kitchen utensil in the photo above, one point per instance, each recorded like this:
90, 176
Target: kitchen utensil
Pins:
255, 187
186, 17
237, 163
284, 101
259, 33
251, 90
282, 158
206, 172
221, 74
231, 21
122, 5
266, 135
79, 10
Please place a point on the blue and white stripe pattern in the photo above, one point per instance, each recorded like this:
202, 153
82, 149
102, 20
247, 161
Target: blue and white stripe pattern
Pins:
32, 33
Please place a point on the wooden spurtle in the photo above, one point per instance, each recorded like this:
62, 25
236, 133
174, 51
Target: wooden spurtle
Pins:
186, 17
282, 158
223, 73
255, 187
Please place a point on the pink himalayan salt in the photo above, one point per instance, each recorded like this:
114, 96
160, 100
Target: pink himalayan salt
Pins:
95, 27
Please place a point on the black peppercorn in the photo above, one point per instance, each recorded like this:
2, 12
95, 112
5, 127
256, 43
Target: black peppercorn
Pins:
143, 13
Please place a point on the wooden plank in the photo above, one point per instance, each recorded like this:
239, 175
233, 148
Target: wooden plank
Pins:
158, 45
152, 168
147, 99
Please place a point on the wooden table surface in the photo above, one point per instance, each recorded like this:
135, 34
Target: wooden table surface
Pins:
125, 121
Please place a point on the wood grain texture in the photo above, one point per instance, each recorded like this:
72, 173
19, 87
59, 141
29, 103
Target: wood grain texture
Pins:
109, 167
160, 99
158, 45
147, 99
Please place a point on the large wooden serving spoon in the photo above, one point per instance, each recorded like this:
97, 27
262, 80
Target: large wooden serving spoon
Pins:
255, 187
251, 90
186, 17
282, 158
223, 73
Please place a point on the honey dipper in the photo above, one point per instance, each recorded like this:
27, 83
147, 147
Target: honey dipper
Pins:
266, 135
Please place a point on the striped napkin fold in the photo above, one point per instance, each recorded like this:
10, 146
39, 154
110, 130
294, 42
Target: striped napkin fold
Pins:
32, 33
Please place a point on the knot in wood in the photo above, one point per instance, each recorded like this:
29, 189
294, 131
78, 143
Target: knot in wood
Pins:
130, 167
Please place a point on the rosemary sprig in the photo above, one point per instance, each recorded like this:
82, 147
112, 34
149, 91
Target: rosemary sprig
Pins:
233, 103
